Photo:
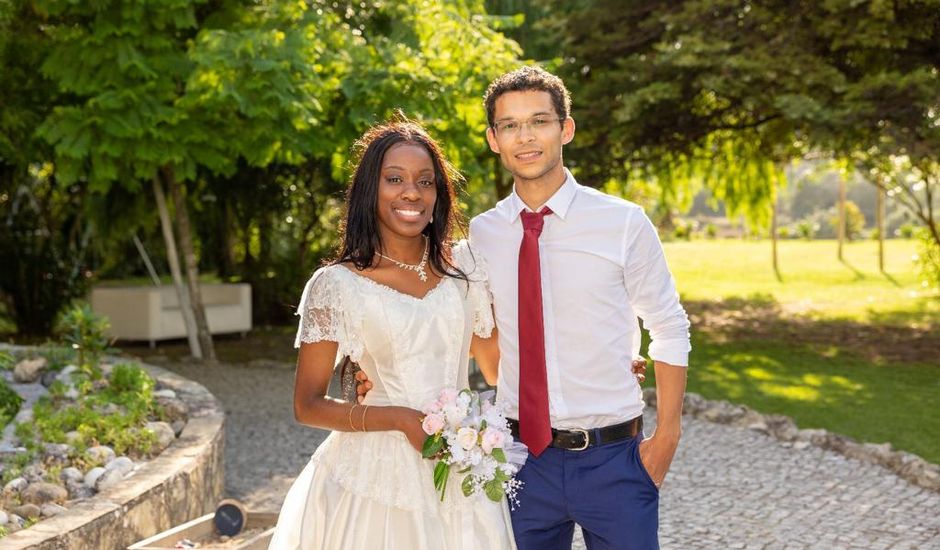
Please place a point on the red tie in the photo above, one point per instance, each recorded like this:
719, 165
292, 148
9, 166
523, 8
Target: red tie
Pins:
535, 428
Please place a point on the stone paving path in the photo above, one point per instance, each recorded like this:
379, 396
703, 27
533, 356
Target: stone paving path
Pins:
728, 487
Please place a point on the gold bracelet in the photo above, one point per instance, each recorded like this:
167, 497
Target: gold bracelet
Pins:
351, 409
364, 411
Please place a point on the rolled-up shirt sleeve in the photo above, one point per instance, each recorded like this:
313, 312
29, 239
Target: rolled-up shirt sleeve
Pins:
651, 290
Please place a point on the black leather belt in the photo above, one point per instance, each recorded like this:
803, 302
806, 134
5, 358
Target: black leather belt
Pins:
578, 440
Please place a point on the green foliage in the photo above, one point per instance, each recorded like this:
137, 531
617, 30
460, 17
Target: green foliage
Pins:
10, 403
7, 360
700, 87
57, 356
854, 221
928, 259
43, 242
253, 107
110, 414
86, 332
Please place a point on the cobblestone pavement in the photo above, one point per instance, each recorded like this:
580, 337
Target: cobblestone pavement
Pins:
728, 487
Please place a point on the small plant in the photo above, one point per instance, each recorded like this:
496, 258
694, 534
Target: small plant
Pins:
86, 333
7, 361
112, 415
10, 403
906, 231
711, 231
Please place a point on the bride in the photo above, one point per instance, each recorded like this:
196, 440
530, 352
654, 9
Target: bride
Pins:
409, 308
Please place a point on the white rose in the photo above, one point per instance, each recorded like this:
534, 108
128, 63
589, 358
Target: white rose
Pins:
454, 415
467, 438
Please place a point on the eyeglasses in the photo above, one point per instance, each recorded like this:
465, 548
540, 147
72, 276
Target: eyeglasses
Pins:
538, 123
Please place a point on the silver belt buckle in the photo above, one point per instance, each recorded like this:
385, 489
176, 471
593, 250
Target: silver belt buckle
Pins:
587, 439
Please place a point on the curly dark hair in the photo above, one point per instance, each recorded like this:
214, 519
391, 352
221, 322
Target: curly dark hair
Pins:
528, 78
361, 239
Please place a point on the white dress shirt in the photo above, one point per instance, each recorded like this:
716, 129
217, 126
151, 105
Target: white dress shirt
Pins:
602, 265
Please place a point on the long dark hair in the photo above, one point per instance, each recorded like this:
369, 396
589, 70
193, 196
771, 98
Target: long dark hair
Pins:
360, 228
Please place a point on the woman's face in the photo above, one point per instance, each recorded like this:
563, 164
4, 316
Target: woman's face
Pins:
407, 191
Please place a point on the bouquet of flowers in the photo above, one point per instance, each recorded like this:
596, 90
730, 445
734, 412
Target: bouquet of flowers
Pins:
468, 432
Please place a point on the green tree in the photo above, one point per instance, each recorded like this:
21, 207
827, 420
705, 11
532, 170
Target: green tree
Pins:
704, 85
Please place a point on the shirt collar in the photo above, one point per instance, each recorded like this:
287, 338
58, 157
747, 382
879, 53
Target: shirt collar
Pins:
560, 202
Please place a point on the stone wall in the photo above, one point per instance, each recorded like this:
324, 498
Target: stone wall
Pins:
182, 483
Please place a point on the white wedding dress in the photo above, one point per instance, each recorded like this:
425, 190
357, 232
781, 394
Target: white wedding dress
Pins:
372, 490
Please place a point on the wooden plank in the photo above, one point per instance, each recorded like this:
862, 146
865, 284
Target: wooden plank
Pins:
199, 529
194, 529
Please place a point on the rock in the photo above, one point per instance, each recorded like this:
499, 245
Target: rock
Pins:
15, 524
15, 486
102, 454
73, 437
27, 511
51, 509
759, 426
28, 371
167, 393
72, 474
48, 377
816, 437
78, 490
42, 492
178, 427
91, 477
57, 452
173, 408
801, 445
120, 464
34, 472
879, 453
165, 435
116, 470
4, 518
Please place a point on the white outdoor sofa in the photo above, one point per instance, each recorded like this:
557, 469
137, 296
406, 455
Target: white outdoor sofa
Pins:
152, 313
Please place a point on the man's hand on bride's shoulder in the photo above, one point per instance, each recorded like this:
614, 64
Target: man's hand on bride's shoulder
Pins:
639, 369
363, 385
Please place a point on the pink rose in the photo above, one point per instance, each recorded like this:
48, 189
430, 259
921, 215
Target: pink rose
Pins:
491, 440
448, 395
432, 424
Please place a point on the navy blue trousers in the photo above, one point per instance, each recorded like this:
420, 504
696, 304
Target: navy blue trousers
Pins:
606, 490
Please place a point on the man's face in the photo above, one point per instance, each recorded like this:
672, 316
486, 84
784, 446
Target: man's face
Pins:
528, 136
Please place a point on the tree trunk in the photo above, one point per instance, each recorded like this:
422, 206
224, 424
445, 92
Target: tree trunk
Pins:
773, 232
880, 215
173, 259
841, 229
192, 268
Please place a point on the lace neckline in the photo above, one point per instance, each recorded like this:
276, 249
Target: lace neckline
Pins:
387, 288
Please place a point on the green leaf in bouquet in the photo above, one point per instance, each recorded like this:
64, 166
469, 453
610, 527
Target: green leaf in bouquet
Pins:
498, 455
467, 486
441, 472
494, 490
482, 425
432, 445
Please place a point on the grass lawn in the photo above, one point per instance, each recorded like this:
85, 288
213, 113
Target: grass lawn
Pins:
822, 353
814, 282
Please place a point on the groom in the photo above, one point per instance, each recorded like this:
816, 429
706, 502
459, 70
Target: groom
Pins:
570, 270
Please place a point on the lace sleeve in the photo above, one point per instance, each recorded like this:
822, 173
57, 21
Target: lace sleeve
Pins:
472, 263
325, 315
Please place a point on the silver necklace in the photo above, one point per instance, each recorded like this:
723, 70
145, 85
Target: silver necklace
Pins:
417, 268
